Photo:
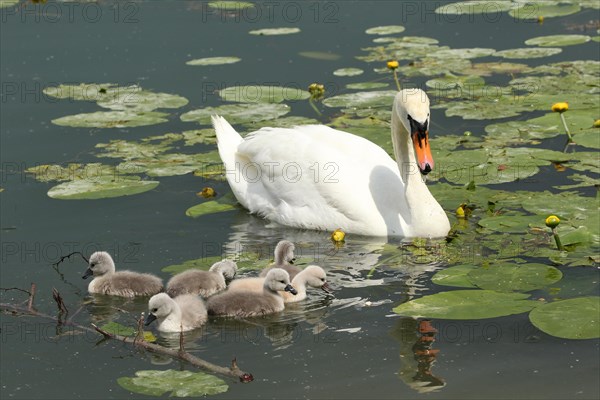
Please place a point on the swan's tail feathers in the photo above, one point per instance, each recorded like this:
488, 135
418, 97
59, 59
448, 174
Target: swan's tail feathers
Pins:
228, 140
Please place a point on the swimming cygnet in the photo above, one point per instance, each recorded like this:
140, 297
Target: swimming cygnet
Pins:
183, 313
203, 283
313, 276
122, 283
284, 258
247, 303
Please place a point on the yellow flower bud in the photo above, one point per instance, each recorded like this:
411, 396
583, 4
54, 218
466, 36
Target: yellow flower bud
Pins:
316, 89
460, 212
393, 64
560, 107
207, 192
597, 123
338, 236
540, 19
552, 221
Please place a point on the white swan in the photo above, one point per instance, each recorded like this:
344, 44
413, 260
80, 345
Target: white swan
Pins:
316, 177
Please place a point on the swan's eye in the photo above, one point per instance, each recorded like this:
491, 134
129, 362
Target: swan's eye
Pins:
154, 309
282, 282
92, 265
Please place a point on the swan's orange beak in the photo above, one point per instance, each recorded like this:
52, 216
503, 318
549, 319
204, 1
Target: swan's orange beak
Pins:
423, 151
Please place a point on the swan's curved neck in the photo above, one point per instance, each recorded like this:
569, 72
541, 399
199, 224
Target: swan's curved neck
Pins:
405, 154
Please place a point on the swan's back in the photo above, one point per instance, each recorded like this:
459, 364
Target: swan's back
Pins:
254, 284
244, 303
126, 284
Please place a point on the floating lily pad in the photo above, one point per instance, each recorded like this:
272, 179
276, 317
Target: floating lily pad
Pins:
348, 72
245, 260
199, 136
320, 55
459, 84
467, 304
511, 223
584, 181
367, 85
8, 3
508, 277
485, 7
238, 113
382, 98
170, 164
528, 52
213, 61
463, 53
454, 276
533, 10
129, 150
112, 119
230, 5
142, 100
118, 329
263, 94
385, 30
58, 173
101, 187
557, 40
225, 203
274, 31
576, 318
89, 91
406, 41
176, 383
487, 69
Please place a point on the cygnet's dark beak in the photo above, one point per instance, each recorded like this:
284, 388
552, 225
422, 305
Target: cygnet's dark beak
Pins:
326, 288
290, 288
88, 272
151, 317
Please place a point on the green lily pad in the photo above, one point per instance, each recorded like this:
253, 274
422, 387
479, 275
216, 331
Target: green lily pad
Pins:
569, 319
101, 187
385, 30
508, 277
406, 41
557, 40
589, 138
486, 7
170, 164
112, 119
176, 383
452, 82
199, 136
262, 94
142, 100
383, 98
245, 260
463, 53
528, 52
584, 181
596, 38
467, 304
230, 5
490, 68
213, 61
225, 203
348, 72
58, 173
367, 85
533, 10
238, 113
118, 329
274, 31
511, 223
320, 55
145, 148
8, 3
454, 276
89, 91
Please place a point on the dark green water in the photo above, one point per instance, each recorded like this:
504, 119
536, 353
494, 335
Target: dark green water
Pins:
324, 348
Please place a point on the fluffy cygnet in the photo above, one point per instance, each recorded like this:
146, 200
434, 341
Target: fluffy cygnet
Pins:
284, 259
203, 283
313, 276
183, 313
247, 303
122, 283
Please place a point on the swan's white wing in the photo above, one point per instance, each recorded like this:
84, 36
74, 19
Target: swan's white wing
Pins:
316, 177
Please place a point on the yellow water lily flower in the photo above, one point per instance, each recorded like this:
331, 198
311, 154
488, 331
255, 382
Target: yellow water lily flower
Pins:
597, 123
338, 236
552, 221
316, 89
560, 107
207, 192
393, 64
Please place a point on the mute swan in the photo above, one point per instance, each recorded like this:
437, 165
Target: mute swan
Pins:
316, 177
284, 258
122, 283
313, 276
185, 312
204, 283
246, 303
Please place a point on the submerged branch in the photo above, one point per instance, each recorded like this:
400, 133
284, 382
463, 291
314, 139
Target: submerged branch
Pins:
180, 354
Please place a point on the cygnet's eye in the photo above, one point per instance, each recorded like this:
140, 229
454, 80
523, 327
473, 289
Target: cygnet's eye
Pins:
282, 281
154, 309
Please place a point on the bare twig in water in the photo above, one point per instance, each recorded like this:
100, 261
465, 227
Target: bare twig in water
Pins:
62, 308
31, 297
232, 371
181, 348
68, 256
